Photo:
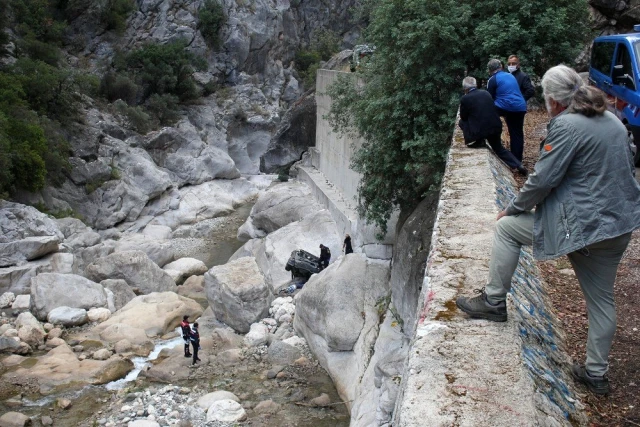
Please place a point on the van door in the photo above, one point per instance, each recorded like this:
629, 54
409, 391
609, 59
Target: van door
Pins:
624, 89
602, 64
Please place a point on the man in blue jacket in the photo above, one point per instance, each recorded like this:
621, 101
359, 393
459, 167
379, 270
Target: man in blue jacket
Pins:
509, 103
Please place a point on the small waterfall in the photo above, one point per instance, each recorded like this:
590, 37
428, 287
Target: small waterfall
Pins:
140, 363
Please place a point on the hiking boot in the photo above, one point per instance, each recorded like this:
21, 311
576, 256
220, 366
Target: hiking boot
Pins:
596, 385
480, 308
187, 355
522, 171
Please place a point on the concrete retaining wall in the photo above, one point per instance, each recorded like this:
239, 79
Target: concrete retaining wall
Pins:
474, 372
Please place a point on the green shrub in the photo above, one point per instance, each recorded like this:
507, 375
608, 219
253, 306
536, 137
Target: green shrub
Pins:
163, 108
115, 14
35, 17
211, 18
114, 86
326, 43
136, 116
306, 58
49, 90
40, 51
163, 69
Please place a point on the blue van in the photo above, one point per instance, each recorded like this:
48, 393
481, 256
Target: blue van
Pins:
614, 69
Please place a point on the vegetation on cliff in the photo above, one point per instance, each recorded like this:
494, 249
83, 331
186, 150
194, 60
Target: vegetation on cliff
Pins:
406, 105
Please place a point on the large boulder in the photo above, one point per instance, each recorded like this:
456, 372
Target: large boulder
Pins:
122, 292
27, 249
226, 410
337, 312
238, 293
67, 316
157, 313
19, 221
204, 402
276, 207
142, 274
77, 234
160, 252
51, 290
186, 267
17, 279
60, 367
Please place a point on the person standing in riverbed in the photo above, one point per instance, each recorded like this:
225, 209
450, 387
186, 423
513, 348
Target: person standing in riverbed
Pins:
195, 342
186, 334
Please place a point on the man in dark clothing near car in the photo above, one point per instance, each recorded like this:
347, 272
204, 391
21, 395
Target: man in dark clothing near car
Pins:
346, 245
186, 334
325, 256
479, 121
509, 103
524, 82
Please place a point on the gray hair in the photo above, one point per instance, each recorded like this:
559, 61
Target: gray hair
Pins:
565, 86
469, 82
493, 65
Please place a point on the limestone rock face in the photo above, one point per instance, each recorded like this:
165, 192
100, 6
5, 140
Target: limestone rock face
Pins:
77, 234
122, 292
190, 159
135, 268
410, 254
337, 313
238, 293
278, 206
160, 252
67, 316
18, 222
157, 313
295, 135
51, 290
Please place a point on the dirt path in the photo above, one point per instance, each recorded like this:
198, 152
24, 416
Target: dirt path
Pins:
622, 407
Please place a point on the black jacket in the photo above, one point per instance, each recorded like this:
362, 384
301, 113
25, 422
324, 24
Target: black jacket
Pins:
524, 82
478, 116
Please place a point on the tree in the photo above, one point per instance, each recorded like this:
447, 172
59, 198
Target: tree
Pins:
405, 104
405, 109
211, 18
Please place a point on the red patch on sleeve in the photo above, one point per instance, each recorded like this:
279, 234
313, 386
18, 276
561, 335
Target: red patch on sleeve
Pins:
547, 147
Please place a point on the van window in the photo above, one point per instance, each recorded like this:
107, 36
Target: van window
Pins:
602, 55
624, 58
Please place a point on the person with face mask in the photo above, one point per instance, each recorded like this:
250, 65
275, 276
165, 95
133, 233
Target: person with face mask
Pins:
509, 103
587, 203
524, 82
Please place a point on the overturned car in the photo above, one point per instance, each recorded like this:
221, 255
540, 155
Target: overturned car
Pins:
303, 264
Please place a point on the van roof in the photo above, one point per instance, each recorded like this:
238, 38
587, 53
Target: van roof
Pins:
631, 37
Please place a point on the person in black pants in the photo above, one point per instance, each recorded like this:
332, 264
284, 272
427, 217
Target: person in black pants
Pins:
346, 246
480, 122
509, 103
325, 256
195, 342
186, 334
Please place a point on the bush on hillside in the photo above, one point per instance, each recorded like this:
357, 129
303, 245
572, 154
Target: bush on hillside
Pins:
211, 18
163, 69
163, 108
115, 14
35, 17
114, 86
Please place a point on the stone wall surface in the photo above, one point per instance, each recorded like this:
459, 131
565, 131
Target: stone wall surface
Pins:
462, 371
